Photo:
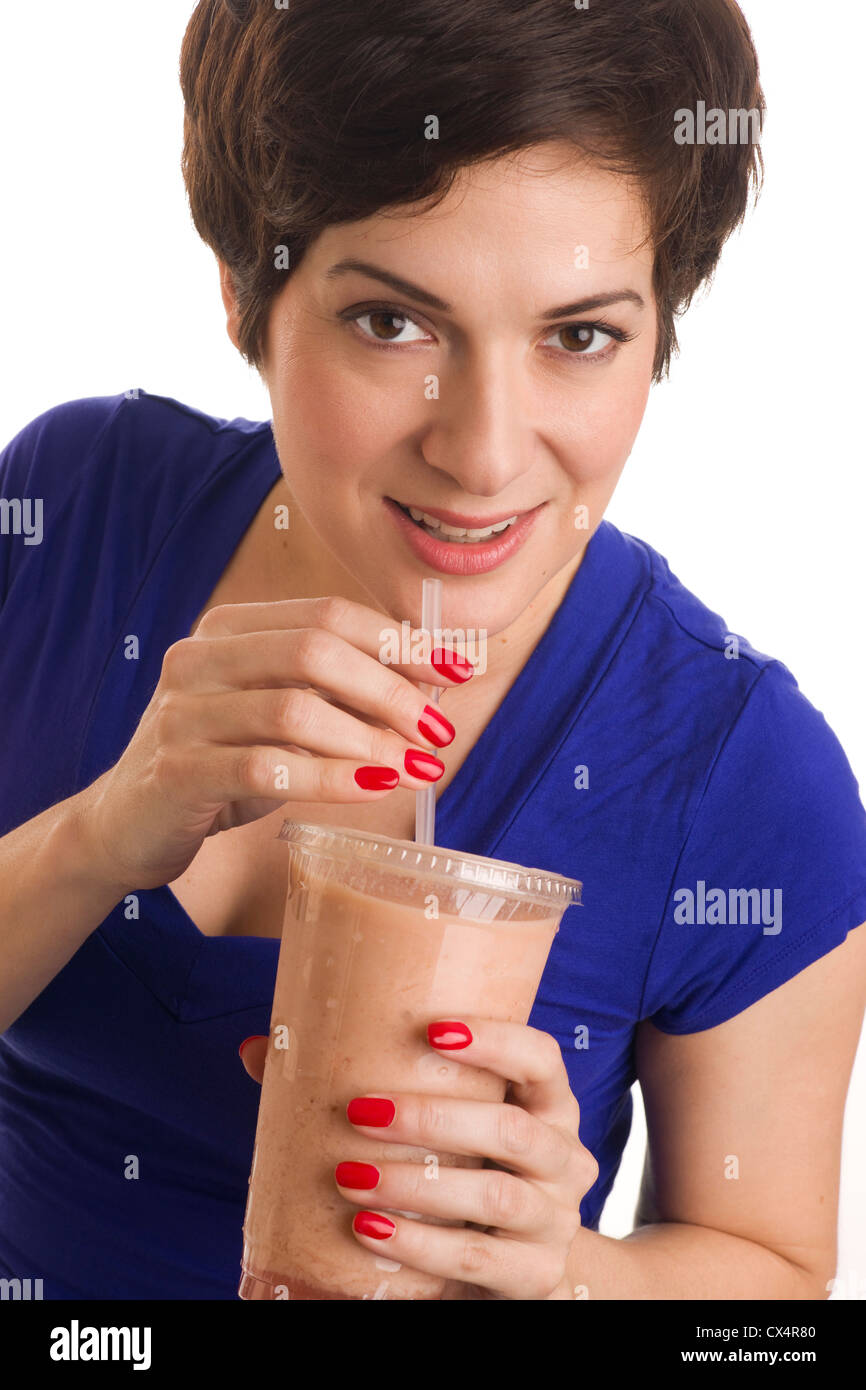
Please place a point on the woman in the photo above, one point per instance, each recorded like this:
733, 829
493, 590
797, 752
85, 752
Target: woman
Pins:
454, 241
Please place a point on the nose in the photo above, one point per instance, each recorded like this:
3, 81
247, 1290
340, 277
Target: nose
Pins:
479, 432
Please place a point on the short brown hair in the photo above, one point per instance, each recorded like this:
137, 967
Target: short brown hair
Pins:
300, 118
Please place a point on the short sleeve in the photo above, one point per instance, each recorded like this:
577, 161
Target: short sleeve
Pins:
772, 874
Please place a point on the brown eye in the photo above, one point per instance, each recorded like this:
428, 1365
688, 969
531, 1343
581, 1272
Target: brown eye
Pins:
387, 326
577, 337
391, 325
586, 340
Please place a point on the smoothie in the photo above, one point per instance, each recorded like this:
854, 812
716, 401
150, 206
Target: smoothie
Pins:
360, 975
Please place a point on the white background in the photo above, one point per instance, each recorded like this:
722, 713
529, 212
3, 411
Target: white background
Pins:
748, 474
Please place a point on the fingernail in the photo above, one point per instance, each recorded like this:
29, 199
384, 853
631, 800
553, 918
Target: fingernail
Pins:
363, 1175
376, 779
448, 663
435, 727
449, 1035
249, 1040
424, 765
371, 1110
369, 1223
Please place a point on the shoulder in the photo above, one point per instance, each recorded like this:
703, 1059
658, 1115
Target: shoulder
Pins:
61, 434
759, 690
688, 622
102, 466
69, 440
729, 722
681, 679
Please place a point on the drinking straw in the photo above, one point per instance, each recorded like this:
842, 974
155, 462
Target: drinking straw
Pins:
431, 621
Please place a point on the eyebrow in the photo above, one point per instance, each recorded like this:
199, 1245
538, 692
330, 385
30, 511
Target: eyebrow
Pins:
406, 287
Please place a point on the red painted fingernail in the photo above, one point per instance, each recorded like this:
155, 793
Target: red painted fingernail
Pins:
376, 779
369, 1223
424, 765
357, 1175
435, 727
371, 1110
448, 663
450, 1035
249, 1040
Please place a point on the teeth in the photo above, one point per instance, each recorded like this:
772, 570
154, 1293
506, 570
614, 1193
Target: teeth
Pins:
458, 533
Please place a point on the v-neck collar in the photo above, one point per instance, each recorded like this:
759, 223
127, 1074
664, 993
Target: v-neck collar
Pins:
548, 696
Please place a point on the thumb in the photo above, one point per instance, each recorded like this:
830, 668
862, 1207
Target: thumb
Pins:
252, 1053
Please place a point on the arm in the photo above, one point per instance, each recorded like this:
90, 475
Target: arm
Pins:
767, 1089
55, 889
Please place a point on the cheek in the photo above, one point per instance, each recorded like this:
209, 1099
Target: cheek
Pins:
597, 434
623, 420
326, 416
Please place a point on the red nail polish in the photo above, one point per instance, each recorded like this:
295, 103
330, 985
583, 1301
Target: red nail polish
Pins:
371, 1110
448, 1035
435, 727
424, 765
376, 779
450, 664
248, 1040
363, 1175
370, 1223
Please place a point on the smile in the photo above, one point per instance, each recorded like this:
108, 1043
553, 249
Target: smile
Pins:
462, 534
456, 544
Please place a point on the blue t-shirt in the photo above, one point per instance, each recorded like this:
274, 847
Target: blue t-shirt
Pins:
705, 804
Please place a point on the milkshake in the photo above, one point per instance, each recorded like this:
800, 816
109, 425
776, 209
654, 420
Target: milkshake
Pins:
380, 937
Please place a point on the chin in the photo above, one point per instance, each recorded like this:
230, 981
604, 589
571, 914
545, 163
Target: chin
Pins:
467, 616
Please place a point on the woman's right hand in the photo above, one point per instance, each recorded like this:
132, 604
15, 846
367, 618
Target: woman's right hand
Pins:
265, 703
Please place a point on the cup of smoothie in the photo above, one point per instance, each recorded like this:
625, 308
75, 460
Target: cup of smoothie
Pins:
380, 937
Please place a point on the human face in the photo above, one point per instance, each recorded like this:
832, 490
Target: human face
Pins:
485, 403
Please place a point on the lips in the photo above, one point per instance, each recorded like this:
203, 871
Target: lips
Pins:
461, 558
469, 523
459, 534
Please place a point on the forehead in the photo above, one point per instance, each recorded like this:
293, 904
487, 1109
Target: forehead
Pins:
522, 215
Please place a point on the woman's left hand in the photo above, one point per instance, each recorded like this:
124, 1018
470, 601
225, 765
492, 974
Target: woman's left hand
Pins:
524, 1208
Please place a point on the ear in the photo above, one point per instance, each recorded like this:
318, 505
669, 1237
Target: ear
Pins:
227, 290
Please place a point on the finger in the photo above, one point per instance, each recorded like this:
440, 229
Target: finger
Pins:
293, 717
513, 1268
485, 1196
314, 658
205, 778
504, 1133
372, 633
252, 1052
526, 1057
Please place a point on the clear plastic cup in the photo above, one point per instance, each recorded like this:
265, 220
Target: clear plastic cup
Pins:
381, 936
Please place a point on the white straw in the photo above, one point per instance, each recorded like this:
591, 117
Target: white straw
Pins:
431, 621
